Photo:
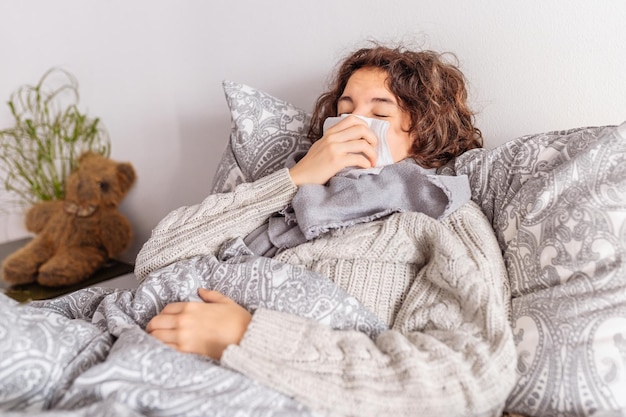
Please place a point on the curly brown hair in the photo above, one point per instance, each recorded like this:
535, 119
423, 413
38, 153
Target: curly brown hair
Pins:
430, 89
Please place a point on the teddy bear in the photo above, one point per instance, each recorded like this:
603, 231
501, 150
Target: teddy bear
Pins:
75, 236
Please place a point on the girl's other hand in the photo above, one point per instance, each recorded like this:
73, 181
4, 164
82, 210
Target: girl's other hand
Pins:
203, 328
348, 143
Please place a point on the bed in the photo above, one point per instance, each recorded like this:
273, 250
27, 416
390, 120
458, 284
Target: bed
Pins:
557, 204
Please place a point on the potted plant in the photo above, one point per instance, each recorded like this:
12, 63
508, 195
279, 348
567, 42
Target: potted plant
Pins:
49, 134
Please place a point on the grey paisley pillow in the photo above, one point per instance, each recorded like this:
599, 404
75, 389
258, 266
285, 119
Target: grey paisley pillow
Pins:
557, 202
264, 131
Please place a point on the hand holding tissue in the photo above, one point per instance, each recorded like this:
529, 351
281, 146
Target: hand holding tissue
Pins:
379, 127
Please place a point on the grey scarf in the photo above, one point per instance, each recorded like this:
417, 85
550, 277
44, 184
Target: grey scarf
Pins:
348, 199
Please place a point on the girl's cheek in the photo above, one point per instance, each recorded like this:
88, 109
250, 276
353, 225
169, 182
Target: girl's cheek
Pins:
399, 145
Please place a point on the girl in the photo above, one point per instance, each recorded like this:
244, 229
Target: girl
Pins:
449, 350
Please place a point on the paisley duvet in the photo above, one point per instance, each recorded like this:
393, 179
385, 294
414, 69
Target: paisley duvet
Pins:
87, 354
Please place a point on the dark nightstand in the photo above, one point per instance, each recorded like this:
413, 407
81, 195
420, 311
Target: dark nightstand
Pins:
28, 292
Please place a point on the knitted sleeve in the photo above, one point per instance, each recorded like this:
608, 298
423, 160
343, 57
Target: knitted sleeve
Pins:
202, 228
450, 351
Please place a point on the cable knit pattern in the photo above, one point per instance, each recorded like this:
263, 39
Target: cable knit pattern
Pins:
441, 286
202, 228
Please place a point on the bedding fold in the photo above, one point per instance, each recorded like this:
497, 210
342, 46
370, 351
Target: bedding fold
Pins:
84, 352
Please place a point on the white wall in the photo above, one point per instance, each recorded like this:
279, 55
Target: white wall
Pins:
152, 69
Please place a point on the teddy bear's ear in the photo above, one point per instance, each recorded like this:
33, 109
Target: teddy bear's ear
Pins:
126, 175
84, 155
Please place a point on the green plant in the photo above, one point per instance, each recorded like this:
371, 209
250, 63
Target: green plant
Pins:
48, 136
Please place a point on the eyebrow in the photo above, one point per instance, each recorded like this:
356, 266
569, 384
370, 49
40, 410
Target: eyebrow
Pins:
383, 100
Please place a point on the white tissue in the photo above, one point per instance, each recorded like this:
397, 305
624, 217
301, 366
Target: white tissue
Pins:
380, 129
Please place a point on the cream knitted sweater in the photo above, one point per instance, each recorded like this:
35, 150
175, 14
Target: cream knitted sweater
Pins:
441, 286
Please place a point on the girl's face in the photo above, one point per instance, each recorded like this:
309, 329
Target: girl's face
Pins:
366, 94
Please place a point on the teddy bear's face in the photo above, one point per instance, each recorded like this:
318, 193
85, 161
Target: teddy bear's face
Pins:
98, 182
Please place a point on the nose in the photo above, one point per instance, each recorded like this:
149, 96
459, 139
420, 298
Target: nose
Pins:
363, 117
360, 111
85, 189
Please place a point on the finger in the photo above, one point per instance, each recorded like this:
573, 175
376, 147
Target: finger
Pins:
358, 160
354, 132
211, 296
350, 120
363, 148
173, 308
166, 336
161, 322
